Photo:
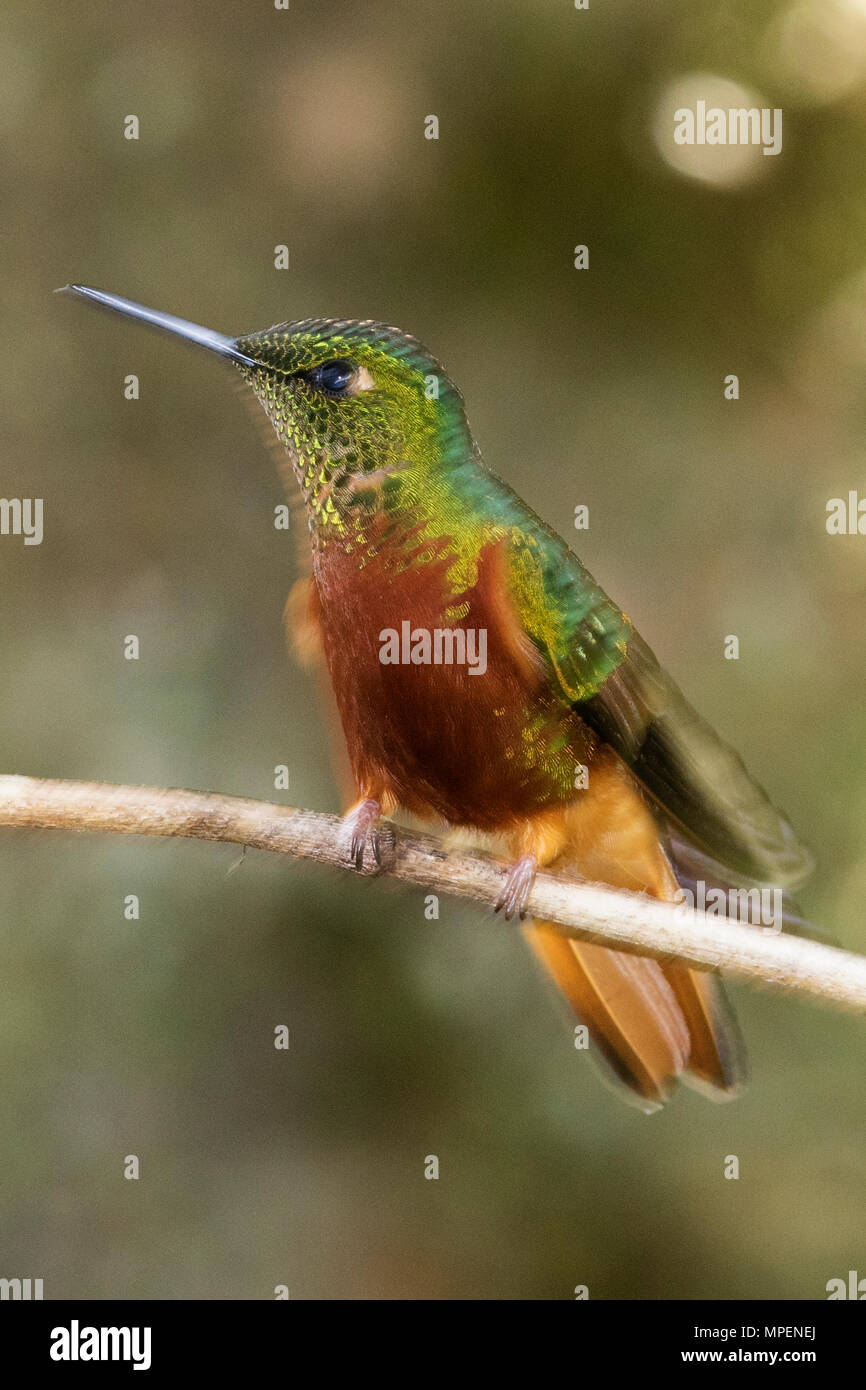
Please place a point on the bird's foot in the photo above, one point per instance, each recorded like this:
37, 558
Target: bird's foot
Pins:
364, 825
517, 887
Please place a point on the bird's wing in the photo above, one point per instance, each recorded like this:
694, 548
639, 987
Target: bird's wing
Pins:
699, 780
601, 666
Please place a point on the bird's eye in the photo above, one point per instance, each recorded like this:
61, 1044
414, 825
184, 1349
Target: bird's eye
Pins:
334, 377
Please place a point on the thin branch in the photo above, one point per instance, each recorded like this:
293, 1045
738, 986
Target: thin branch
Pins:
592, 912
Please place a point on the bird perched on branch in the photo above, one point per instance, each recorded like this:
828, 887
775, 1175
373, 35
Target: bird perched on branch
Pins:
484, 680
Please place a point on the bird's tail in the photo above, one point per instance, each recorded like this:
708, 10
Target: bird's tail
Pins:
648, 1024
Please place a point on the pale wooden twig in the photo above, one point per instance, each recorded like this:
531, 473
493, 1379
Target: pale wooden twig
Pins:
627, 920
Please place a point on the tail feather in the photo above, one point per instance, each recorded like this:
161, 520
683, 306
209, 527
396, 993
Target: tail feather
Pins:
637, 1028
717, 1061
649, 1025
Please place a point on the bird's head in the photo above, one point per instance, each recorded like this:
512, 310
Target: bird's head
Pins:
353, 402
357, 405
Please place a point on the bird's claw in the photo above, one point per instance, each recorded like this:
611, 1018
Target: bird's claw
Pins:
517, 887
365, 826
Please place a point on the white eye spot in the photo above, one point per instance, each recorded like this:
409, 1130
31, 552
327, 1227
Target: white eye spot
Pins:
361, 381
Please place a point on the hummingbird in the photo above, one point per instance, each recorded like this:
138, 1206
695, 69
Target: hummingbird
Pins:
569, 747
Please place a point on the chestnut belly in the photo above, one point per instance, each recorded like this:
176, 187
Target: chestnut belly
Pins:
448, 715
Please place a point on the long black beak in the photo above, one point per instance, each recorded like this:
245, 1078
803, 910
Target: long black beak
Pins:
205, 337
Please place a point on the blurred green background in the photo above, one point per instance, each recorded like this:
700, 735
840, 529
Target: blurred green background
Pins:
605, 387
